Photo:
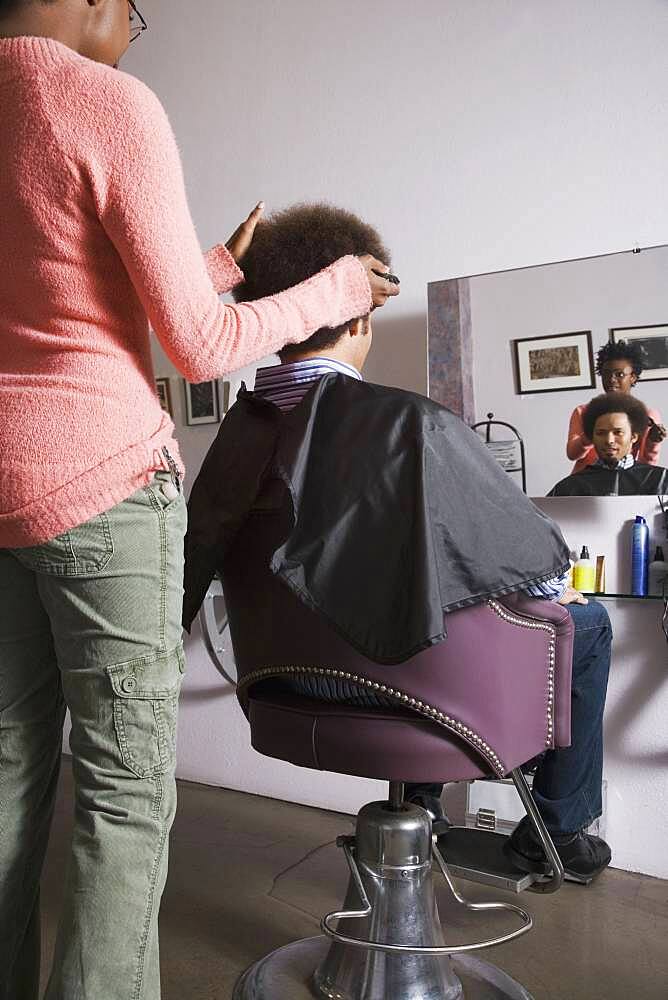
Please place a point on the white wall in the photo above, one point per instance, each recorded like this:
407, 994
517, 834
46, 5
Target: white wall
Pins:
477, 134
620, 290
635, 752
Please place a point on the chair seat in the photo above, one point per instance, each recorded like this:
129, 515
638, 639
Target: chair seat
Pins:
370, 743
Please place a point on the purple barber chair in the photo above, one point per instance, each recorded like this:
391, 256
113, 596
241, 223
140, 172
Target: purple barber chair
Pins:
494, 694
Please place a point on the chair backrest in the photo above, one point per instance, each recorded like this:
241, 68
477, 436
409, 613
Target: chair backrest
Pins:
500, 681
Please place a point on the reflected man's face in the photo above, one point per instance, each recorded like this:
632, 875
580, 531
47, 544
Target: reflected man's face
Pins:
613, 437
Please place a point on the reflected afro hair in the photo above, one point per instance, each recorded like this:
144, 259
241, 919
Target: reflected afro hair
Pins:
623, 350
615, 402
293, 245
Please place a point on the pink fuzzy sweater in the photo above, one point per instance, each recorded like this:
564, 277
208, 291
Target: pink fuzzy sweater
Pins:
96, 241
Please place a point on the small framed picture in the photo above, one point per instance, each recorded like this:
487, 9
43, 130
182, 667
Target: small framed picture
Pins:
654, 342
202, 406
164, 395
554, 363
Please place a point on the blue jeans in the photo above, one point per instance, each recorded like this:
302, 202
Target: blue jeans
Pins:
567, 782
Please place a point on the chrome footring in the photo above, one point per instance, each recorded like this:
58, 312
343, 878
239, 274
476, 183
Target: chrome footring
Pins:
288, 974
390, 859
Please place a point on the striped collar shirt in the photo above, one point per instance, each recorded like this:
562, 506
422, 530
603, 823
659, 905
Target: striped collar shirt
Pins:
286, 385
625, 463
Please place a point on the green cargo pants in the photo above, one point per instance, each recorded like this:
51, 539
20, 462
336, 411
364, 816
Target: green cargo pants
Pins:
91, 621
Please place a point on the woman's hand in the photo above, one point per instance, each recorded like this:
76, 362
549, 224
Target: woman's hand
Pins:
381, 288
657, 433
242, 237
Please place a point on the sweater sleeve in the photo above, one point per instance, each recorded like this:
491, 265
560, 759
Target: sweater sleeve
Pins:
141, 199
222, 269
578, 444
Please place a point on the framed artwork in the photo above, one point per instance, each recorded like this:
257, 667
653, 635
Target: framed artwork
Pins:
654, 342
202, 406
164, 395
554, 363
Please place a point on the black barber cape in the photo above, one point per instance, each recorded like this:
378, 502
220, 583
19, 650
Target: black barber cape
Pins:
602, 481
399, 512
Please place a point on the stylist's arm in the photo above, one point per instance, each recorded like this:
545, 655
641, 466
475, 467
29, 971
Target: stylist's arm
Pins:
143, 207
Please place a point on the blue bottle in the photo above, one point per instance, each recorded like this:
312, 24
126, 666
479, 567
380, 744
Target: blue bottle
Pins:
639, 557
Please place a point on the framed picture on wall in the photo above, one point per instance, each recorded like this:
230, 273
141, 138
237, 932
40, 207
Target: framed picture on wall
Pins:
202, 406
654, 342
554, 363
164, 395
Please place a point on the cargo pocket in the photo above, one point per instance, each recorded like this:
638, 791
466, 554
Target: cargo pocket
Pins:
146, 693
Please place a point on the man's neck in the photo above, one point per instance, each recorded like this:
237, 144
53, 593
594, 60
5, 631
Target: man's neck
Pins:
328, 354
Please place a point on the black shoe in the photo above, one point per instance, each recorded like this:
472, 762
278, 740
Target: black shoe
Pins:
439, 821
583, 856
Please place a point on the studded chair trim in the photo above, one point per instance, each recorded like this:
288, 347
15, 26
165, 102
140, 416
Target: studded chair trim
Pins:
405, 700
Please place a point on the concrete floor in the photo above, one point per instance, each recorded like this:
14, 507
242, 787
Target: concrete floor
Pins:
248, 875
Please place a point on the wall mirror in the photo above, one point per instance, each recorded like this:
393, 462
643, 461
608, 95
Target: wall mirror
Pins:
521, 344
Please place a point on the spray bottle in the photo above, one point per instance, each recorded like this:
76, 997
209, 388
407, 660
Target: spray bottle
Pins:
639, 557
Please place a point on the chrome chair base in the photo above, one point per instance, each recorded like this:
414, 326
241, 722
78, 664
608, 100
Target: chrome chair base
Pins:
288, 974
387, 943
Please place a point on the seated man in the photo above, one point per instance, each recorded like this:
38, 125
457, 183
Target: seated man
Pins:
399, 514
614, 422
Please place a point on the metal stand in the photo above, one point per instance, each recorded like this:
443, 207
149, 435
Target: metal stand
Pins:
396, 946
495, 445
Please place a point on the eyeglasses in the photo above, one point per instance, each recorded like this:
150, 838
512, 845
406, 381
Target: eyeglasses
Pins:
136, 29
615, 374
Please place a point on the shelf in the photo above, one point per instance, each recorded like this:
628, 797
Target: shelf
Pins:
629, 597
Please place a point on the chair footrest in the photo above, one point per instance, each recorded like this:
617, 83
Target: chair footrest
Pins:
477, 855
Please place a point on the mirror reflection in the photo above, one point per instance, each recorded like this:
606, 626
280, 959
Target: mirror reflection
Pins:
615, 442
574, 356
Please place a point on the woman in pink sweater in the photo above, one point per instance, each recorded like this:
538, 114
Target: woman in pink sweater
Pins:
620, 366
96, 243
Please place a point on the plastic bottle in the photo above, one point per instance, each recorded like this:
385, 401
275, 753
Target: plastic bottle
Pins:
584, 573
639, 557
658, 574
